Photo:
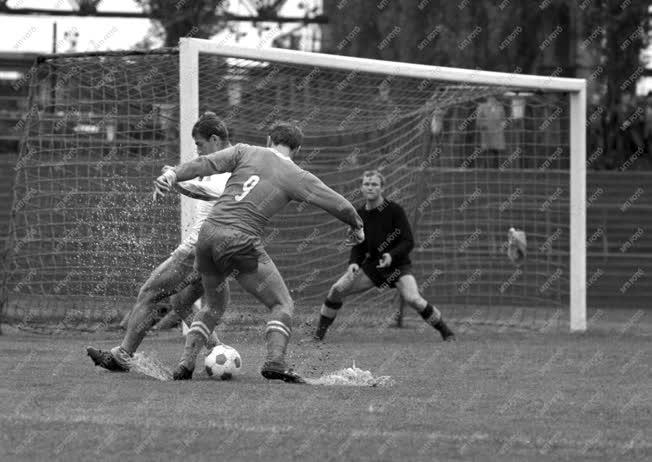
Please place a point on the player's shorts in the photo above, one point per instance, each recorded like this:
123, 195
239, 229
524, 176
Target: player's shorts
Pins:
384, 277
227, 251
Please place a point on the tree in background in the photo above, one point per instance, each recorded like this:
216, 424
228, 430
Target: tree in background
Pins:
489, 35
469, 34
600, 40
624, 28
185, 18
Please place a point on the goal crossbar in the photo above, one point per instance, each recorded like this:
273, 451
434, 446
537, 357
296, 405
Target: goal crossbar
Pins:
419, 71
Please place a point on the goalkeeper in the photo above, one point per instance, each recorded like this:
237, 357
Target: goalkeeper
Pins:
382, 260
175, 283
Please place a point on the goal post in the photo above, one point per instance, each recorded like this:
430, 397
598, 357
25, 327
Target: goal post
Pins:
315, 64
578, 208
188, 115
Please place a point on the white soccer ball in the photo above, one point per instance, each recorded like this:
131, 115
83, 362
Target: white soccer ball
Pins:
223, 362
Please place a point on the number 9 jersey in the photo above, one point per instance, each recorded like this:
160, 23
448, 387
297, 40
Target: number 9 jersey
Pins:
262, 182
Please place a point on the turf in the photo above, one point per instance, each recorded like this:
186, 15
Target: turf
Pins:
492, 395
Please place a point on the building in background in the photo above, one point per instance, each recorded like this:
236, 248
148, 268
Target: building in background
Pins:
14, 87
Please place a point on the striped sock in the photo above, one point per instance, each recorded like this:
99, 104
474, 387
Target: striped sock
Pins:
201, 328
195, 340
327, 315
277, 336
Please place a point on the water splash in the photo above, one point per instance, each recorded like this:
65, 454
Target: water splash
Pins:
354, 377
150, 367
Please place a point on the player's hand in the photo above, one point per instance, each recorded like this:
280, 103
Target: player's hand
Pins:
385, 261
164, 183
355, 236
353, 268
166, 168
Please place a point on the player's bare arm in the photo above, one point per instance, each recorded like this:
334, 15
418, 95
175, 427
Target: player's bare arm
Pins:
312, 190
218, 162
204, 189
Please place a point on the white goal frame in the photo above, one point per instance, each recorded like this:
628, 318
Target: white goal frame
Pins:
189, 49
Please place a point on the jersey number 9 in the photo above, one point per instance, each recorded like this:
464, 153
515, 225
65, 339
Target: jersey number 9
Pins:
247, 186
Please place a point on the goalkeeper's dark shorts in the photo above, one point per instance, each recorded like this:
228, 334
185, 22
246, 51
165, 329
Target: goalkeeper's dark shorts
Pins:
227, 251
384, 277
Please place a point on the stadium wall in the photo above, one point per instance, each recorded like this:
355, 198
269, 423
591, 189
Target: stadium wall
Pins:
619, 252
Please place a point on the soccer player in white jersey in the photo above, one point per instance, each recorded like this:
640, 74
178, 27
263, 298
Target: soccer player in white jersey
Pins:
175, 283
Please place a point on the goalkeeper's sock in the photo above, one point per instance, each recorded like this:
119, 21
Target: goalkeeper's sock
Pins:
446, 334
277, 336
432, 316
195, 341
327, 315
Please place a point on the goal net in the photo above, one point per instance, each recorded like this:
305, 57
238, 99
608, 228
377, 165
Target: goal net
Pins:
468, 154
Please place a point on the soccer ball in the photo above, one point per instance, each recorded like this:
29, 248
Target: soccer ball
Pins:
223, 362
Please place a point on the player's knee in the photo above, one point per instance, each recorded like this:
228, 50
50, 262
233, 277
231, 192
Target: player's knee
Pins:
338, 291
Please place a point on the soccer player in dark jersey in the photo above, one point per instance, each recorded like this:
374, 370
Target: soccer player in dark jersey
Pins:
174, 284
382, 260
262, 182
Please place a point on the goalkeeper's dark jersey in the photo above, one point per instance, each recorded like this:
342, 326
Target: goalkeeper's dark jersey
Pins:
262, 182
387, 230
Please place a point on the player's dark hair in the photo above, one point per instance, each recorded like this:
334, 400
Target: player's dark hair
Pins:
374, 172
287, 134
208, 125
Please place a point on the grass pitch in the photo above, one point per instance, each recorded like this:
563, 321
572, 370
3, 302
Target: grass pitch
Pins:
490, 396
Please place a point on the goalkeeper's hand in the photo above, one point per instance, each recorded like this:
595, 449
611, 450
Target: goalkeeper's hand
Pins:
164, 183
355, 236
516, 246
385, 261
